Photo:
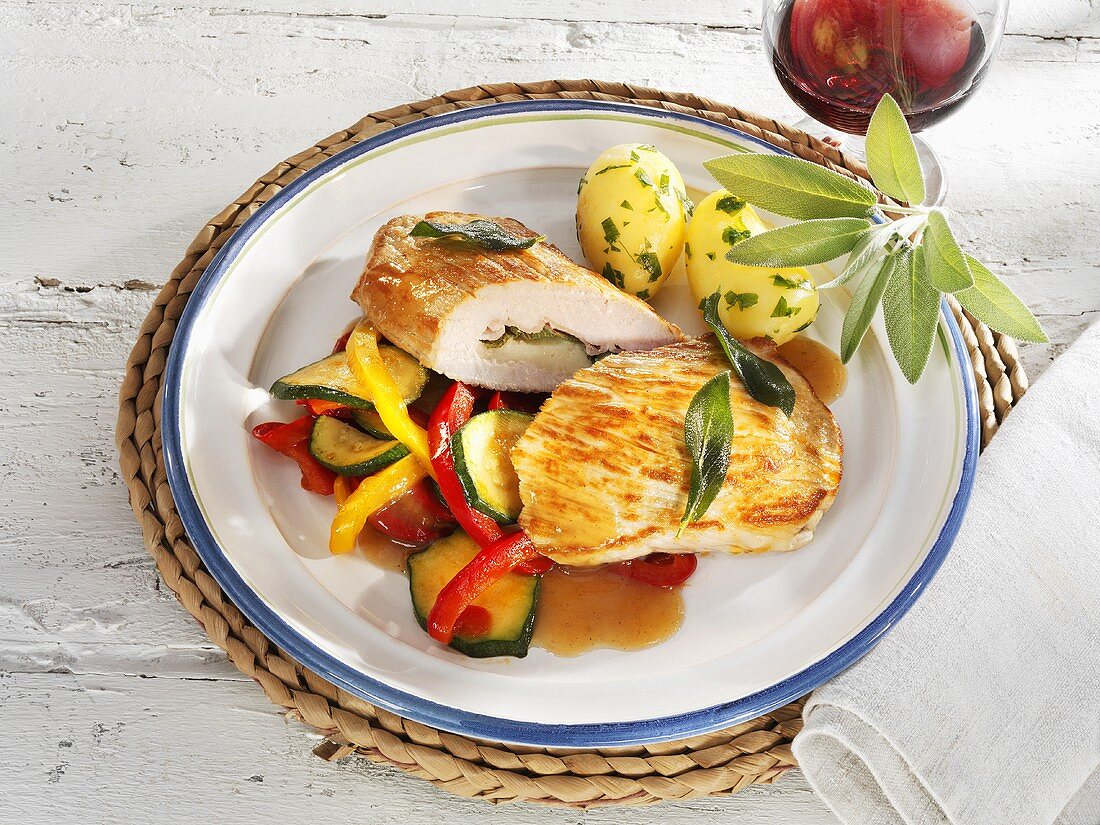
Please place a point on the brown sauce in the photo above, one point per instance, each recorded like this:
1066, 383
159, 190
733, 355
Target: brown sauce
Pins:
382, 552
582, 610
578, 610
819, 365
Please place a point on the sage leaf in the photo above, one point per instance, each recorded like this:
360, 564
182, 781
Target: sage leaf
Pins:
866, 300
763, 380
947, 267
801, 244
995, 305
911, 309
685, 201
891, 154
486, 234
791, 186
708, 434
869, 250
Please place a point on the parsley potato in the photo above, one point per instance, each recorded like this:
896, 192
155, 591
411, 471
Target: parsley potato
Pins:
632, 212
756, 301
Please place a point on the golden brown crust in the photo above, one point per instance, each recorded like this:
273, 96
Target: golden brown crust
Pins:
409, 286
604, 471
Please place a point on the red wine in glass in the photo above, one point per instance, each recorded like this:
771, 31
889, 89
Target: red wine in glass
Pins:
837, 58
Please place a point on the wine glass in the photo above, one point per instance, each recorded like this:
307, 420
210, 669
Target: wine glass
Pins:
837, 58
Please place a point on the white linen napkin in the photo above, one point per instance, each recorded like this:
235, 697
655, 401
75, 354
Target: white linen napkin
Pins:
983, 704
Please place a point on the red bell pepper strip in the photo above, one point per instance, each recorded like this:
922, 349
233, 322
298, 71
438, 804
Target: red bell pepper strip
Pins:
484, 570
474, 622
342, 341
292, 440
435, 504
280, 436
261, 431
659, 569
453, 410
534, 566
416, 518
318, 406
315, 477
523, 402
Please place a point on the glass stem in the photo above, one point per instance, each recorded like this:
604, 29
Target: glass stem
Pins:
855, 146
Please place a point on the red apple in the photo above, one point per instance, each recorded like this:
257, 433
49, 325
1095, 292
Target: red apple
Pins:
935, 40
837, 39
834, 37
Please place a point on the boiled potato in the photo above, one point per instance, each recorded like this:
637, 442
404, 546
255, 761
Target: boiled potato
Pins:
631, 216
756, 301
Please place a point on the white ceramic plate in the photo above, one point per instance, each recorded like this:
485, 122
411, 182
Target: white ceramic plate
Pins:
759, 631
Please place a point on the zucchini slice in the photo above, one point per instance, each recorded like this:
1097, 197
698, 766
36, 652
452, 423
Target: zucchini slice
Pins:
331, 379
348, 452
370, 422
546, 349
545, 334
510, 602
483, 461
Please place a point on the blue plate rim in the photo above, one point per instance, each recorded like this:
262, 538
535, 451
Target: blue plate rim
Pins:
478, 725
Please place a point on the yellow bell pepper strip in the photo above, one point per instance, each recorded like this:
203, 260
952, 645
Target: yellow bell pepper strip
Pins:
341, 489
374, 492
366, 364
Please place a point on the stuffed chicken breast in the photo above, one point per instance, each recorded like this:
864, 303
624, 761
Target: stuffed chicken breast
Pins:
520, 319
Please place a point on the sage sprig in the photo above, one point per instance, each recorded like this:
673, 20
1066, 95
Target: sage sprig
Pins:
708, 435
708, 425
763, 380
901, 262
486, 234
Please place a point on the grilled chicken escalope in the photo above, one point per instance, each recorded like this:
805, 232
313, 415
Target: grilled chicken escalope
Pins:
604, 472
452, 306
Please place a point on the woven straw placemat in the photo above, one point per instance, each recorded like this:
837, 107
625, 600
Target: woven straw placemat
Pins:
718, 763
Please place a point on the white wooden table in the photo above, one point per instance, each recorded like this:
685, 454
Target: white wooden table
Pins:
125, 126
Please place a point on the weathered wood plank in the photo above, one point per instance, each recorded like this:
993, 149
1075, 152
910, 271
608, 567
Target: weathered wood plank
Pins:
126, 126
1052, 18
115, 749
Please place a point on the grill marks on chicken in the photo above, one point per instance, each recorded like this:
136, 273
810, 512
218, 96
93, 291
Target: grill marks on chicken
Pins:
604, 472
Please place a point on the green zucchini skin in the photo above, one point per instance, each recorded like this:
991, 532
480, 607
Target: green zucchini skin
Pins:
511, 602
348, 452
331, 379
487, 478
546, 347
544, 334
371, 423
